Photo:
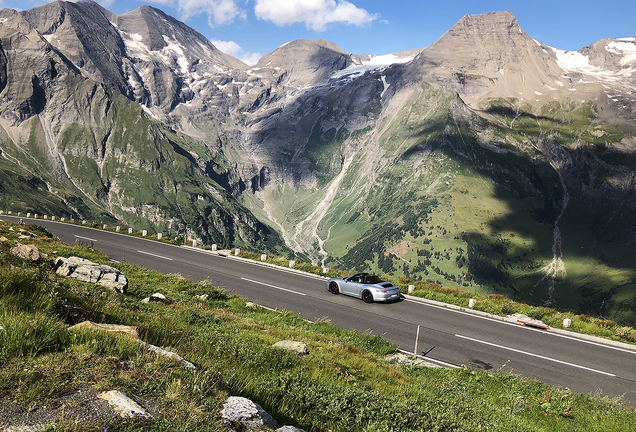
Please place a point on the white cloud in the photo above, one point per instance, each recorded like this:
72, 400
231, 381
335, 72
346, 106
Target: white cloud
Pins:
219, 12
106, 3
315, 14
234, 49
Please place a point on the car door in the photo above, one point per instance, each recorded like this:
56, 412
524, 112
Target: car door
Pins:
350, 286
355, 286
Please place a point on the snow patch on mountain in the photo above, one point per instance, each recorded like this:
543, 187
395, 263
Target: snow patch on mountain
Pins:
574, 61
374, 63
627, 49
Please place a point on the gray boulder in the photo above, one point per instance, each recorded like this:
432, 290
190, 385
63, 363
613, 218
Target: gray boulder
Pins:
27, 252
157, 298
124, 406
289, 429
240, 413
293, 346
88, 271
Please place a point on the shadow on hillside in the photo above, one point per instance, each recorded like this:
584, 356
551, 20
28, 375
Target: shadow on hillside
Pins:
596, 228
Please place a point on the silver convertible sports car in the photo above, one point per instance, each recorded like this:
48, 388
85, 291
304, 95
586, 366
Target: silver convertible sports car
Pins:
365, 286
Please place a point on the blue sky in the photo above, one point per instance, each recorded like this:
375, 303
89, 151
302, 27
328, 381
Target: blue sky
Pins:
250, 28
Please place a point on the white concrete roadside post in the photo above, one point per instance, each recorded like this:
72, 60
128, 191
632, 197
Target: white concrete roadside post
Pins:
35, 216
28, 215
237, 252
117, 228
263, 257
130, 230
61, 219
214, 247
83, 222
567, 322
417, 337
292, 263
46, 217
144, 233
159, 236
104, 226
325, 269
194, 243
411, 289
472, 303
52, 218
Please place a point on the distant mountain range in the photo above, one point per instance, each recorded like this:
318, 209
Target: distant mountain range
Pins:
487, 161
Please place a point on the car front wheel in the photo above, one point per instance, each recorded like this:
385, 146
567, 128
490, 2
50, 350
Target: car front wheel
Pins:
333, 288
367, 297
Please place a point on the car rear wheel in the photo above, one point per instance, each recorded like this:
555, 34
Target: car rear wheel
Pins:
333, 288
367, 297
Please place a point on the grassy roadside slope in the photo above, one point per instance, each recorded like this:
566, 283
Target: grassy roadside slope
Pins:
343, 384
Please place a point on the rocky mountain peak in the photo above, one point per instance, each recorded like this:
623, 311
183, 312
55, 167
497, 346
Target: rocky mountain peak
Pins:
83, 33
490, 55
154, 30
612, 54
307, 62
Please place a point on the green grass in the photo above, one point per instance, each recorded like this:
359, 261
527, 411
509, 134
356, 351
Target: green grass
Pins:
342, 385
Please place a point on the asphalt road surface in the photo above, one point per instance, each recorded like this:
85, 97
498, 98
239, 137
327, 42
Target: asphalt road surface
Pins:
448, 337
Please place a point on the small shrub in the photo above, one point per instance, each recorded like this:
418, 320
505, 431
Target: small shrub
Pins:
508, 308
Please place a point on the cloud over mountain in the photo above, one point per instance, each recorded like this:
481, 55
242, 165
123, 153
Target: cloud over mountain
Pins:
315, 14
219, 12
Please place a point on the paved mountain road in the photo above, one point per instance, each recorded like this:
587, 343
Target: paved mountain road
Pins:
447, 336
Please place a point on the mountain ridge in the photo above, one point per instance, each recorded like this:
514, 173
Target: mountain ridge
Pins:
487, 161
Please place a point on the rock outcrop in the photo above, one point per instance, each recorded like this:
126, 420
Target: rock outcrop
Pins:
124, 406
240, 413
26, 252
88, 271
292, 346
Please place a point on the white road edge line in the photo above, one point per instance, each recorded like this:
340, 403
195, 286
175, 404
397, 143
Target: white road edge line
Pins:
536, 355
500, 320
430, 359
273, 286
86, 238
158, 256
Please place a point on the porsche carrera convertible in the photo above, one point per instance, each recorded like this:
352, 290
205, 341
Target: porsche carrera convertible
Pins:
367, 287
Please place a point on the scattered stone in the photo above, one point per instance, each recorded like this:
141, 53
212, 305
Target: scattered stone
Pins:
203, 296
24, 237
293, 346
112, 328
403, 359
289, 429
240, 413
88, 271
26, 252
3, 239
124, 406
250, 305
169, 354
527, 321
157, 298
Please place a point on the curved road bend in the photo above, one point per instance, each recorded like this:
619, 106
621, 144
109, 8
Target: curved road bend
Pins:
446, 336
